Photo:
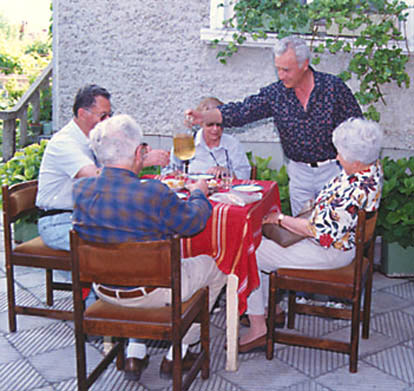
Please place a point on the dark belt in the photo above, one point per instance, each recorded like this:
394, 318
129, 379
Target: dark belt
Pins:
125, 294
322, 163
52, 212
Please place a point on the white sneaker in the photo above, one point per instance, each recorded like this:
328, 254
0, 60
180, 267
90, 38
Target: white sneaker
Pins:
303, 300
335, 304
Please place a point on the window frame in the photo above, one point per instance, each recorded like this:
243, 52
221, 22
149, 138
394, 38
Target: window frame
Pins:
217, 31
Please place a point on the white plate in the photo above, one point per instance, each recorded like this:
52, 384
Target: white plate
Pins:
181, 195
247, 188
174, 184
201, 176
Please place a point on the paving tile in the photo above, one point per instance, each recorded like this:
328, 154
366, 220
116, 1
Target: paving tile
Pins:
64, 363
260, 374
381, 281
40, 340
8, 352
383, 301
397, 324
396, 361
24, 322
366, 379
20, 376
405, 290
308, 385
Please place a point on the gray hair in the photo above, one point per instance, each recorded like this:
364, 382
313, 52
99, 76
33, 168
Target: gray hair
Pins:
115, 140
358, 139
297, 44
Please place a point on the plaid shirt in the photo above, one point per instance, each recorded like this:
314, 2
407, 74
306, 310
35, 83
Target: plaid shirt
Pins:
117, 207
306, 136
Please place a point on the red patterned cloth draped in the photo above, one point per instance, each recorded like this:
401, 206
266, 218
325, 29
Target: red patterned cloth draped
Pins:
231, 237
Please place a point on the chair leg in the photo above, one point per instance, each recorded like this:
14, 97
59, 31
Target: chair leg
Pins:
367, 308
11, 298
270, 338
120, 358
81, 361
177, 367
205, 339
291, 309
353, 354
49, 288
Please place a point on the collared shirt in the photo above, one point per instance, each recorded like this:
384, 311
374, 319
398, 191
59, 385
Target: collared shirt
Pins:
66, 153
334, 219
306, 135
228, 154
117, 207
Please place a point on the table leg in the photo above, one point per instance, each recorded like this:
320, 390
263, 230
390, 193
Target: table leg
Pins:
232, 320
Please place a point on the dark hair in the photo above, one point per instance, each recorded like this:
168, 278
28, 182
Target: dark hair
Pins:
85, 97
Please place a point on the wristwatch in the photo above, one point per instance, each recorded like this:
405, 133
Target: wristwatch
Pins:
280, 218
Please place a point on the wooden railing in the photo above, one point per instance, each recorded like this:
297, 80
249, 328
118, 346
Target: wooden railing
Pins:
19, 111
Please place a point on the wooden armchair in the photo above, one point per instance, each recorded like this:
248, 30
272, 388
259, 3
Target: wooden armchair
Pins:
150, 264
345, 283
19, 201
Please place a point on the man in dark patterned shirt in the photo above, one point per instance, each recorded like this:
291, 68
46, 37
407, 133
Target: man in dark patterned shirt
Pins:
306, 107
117, 206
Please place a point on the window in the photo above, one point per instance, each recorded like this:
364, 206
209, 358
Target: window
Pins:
220, 13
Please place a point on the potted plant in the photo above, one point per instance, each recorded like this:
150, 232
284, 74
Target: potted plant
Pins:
396, 217
24, 166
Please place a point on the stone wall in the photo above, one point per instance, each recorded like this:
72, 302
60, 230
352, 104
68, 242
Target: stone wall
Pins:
150, 57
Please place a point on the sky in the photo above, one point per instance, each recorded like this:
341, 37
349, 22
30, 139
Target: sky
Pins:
35, 12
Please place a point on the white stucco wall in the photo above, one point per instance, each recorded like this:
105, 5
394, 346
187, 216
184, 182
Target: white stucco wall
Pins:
150, 57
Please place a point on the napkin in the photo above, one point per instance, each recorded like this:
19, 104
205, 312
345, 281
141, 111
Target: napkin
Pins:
236, 198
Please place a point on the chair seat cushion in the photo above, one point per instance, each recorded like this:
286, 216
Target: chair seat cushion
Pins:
37, 247
104, 310
343, 275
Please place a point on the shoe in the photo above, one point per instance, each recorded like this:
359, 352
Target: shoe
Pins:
166, 368
134, 367
335, 304
279, 321
255, 345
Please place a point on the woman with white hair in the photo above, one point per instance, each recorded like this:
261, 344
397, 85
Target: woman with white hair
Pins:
330, 230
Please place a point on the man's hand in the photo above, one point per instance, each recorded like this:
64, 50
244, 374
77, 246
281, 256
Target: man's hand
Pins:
156, 157
193, 117
201, 184
271, 218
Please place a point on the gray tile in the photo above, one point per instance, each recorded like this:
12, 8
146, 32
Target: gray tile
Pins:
384, 301
397, 324
20, 376
64, 363
260, 374
45, 339
405, 291
366, 379
8, 352
24, 322
397, 361
308, 385
381, 281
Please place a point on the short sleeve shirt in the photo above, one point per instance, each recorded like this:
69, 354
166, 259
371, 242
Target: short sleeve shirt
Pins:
334, 220
66, 153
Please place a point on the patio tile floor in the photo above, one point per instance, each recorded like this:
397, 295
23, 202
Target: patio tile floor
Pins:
41, 354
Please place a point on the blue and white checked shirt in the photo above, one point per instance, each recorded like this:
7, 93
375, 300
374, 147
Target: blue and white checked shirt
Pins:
117, 207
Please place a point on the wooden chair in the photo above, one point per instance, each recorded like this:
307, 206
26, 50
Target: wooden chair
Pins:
150, 264
344, 283
19, 201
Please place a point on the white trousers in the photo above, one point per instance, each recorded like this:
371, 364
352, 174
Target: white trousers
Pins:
196, 272
305, 254
305, 182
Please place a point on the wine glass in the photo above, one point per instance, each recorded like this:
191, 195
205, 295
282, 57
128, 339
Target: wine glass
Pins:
184, 147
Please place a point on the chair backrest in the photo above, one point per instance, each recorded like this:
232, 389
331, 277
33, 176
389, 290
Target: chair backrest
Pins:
364, 238
151, 263
18, 200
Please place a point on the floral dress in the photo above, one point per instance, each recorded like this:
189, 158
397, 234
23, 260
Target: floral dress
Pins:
334, 219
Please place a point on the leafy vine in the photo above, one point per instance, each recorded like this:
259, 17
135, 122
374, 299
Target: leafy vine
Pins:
368, 30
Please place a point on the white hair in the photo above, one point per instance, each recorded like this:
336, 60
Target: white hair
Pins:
297, 44
358, 139
116, 139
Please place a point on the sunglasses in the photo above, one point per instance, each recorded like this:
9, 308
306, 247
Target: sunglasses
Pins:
101, 116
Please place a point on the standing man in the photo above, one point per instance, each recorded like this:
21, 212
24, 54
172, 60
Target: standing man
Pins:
67, 158
117, 206
306, 106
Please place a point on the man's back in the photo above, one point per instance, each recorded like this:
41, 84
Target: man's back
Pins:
117, 206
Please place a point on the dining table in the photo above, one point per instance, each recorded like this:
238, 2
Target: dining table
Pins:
231, 237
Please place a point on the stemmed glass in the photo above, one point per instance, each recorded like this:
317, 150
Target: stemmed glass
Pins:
184, 147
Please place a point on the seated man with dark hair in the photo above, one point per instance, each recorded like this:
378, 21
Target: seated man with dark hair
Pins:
117, 206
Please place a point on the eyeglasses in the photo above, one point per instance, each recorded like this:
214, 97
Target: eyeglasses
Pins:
101, 116
214, 124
